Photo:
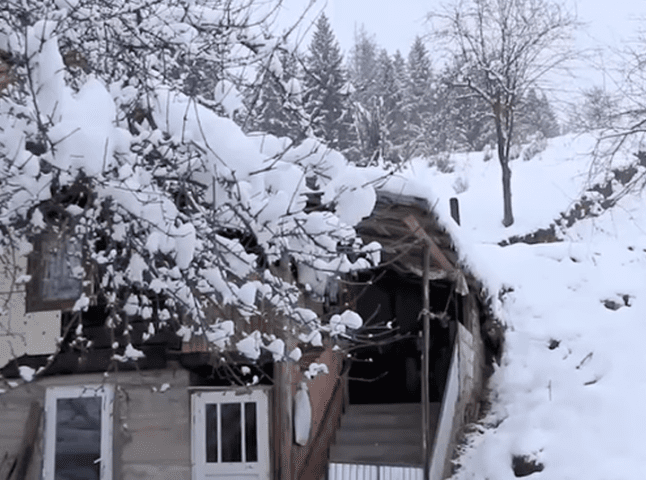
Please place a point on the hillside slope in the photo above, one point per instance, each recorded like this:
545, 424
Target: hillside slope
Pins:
568, 395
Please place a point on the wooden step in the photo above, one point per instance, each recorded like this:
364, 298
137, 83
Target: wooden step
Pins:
405, 409
387, 416
381, 434
377, 454
364, 436
392, 408
380, 421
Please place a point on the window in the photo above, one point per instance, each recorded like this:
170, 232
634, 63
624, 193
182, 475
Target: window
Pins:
54, 266
230, 435
78, 433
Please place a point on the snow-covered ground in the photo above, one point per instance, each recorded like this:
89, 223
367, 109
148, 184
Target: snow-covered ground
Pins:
570, 390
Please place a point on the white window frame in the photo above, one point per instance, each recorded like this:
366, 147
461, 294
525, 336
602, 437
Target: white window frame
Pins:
223, 470
106, 393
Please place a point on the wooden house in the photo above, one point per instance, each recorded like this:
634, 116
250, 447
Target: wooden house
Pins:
392, 403
418, 379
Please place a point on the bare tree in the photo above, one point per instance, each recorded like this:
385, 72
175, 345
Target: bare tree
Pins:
596, 110
620, 117
119, 164
506, 47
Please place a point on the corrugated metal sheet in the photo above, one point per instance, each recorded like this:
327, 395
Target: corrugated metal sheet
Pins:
347, 471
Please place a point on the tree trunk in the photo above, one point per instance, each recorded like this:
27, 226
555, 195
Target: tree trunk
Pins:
508, 217
503, 137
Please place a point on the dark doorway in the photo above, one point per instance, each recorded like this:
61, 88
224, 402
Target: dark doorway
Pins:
389, 371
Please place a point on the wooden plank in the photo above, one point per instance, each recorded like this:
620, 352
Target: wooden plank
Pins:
443, 435
12, 428
7, 465
138, 471
317, 456
367, 436
158, 424
413, 224
467, 363
389, 454
28, 443
387, 408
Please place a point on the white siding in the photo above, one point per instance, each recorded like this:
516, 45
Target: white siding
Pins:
347, 471
24, 333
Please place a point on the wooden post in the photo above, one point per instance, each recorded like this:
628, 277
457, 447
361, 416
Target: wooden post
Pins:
283, 384
430, 249
426, 410
455, 209
283, 415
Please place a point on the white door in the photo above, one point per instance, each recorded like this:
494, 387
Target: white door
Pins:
230, 435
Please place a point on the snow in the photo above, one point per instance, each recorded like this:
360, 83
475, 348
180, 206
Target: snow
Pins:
316, 369
26, 373
130, 353
277, 349
245, 184
250, 345
567, 392
302, 415
82, 303
348, 319
227, 95
296, 354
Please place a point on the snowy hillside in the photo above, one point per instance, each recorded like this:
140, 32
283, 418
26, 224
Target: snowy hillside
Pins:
568, 393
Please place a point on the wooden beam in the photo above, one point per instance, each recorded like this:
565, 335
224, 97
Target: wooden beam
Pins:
413, 224
426, 367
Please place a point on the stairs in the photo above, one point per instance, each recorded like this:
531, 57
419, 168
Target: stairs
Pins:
381, 434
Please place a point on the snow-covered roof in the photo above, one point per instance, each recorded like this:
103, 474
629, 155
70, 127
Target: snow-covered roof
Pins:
403, 247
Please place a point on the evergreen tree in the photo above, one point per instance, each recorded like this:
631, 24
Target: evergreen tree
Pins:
418, 102
367, 98
397, 130
464, 118
389, 89
362, 67
276, 107
326, 90
536, 116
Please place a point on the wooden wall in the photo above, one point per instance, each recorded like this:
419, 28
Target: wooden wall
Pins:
14, 415
464, 389
151, 427
326, 397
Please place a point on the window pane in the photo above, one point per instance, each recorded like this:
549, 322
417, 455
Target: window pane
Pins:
251, 436
62, 257
211, 432
231, 432
78, 438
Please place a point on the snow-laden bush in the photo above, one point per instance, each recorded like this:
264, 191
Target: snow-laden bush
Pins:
111, 132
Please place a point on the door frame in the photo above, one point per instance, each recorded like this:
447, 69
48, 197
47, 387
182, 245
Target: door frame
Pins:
200, 469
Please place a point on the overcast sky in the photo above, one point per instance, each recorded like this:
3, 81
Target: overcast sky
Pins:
395, 23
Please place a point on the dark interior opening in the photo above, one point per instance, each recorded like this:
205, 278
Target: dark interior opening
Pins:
389, 370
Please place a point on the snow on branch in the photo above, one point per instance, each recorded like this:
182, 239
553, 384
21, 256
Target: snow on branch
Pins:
114, 132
